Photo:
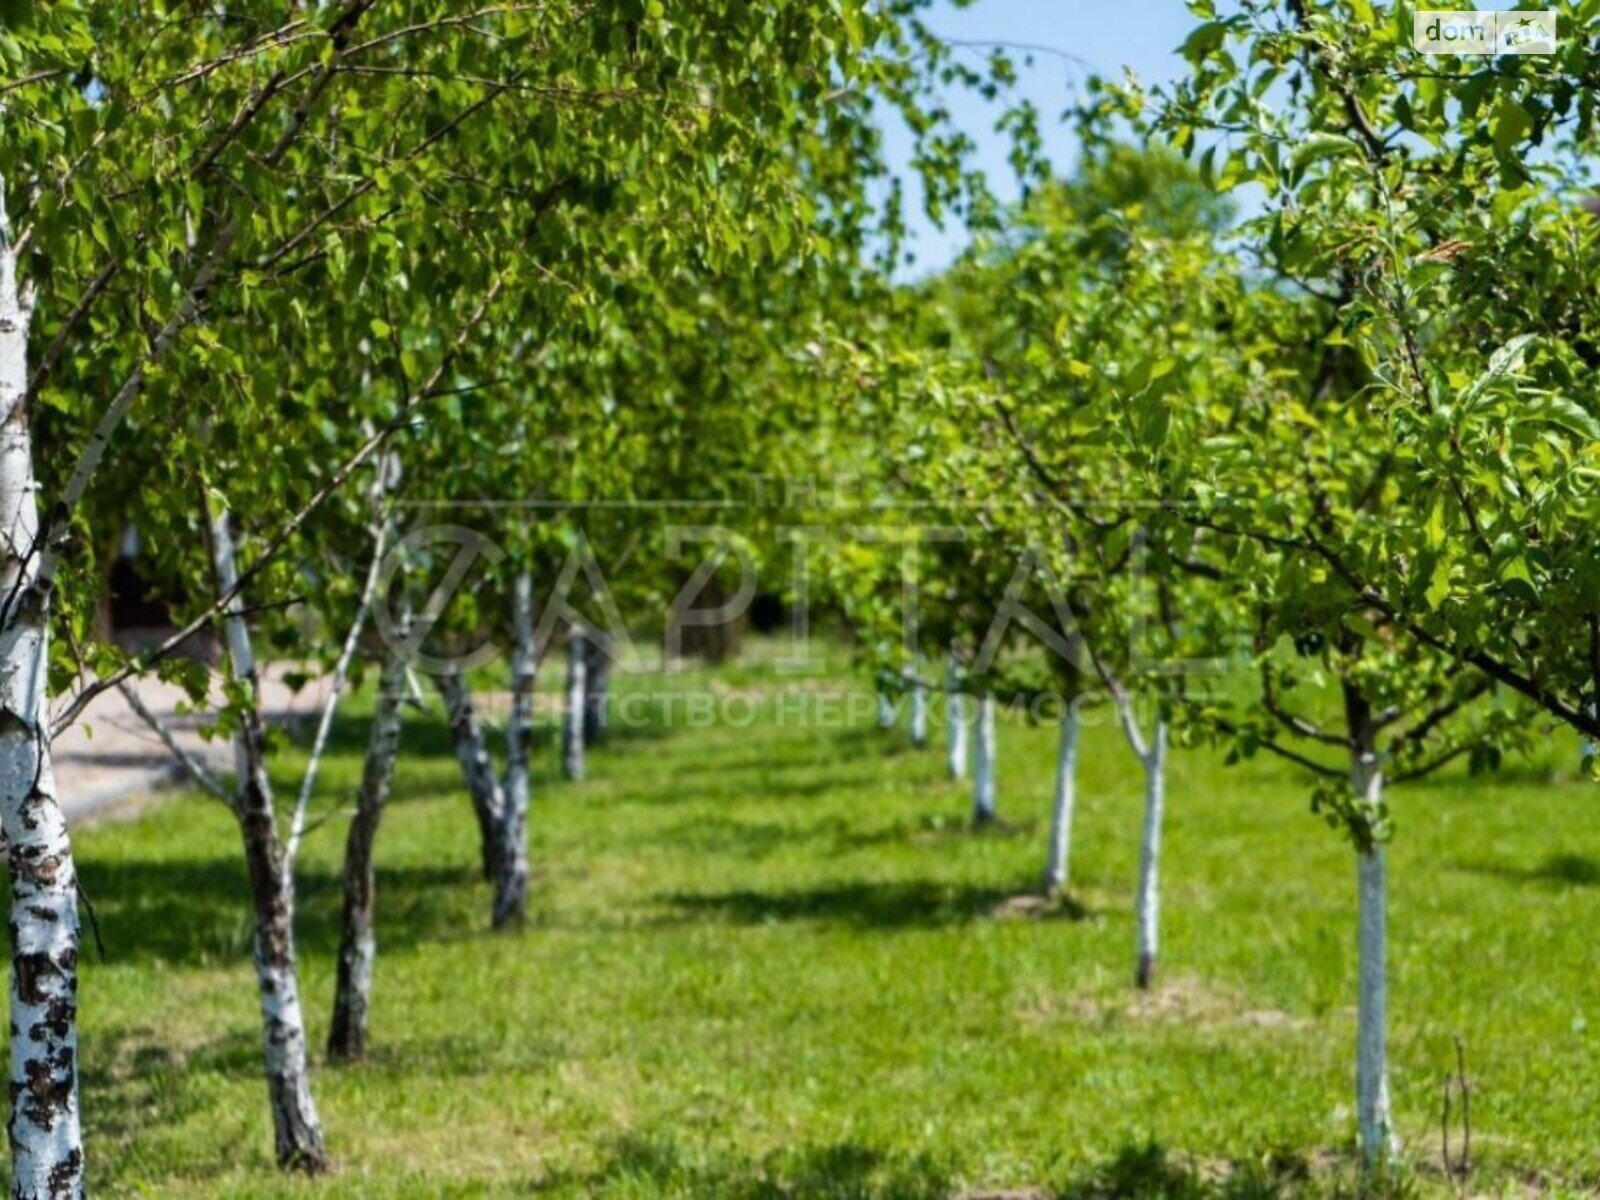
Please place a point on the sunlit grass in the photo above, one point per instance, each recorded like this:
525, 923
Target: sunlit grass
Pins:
771, 961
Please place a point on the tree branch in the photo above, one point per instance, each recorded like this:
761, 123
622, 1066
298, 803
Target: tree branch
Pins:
197, 770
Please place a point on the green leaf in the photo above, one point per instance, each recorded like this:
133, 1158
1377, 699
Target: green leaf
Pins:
1503, 362
1434, 531
1323, 145
1515, 570
1438, 585
1509, 124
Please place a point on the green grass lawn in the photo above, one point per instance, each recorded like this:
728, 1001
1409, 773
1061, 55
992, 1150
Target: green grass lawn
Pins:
771, 961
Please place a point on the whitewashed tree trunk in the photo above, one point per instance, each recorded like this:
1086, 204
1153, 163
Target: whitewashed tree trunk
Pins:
477, 768
1059, 857
572, 756
511, 867
1148, 901
919, 710
352, 996
45, 1133
597, 694
983, 763
296, 1128
1374, 1120
956, 718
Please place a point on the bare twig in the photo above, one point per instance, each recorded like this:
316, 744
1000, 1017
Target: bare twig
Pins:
198, 771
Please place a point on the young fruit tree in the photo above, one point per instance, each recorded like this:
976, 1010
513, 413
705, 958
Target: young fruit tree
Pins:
1437, 217
1073, 323
1440, 501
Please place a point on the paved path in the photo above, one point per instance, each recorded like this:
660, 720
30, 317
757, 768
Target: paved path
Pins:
110, 761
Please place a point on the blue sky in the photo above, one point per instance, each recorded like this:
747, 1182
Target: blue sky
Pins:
1105, 34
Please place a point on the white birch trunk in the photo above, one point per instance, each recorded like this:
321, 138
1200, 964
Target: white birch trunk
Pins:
956, 718
1148, 901
358, 947
1059, 856
511, 866
919, 711
983, 797
572, 763
477, 768
1373, 1117
597, 694
45, 1133
297, 1131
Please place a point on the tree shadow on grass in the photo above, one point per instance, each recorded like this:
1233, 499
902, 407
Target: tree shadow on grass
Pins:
132, 1082
844, 1171
661, 1165
1558, 870
196, 911
911, 904
1151, 1172
725, 835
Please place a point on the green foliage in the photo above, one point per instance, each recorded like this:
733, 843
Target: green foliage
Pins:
1428, 219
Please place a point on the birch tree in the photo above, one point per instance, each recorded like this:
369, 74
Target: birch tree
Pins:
191, 204
352, 996
574, 704
45, 1127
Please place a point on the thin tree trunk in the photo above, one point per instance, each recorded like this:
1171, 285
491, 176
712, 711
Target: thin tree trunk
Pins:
885, 708
956, 718
597, 694
919, 711
511, 866
572, 718
488, 802
46, 1137
1060, 853
341, 669
1373, 1117
983, 798
352, 996
297, 1131
1149, 898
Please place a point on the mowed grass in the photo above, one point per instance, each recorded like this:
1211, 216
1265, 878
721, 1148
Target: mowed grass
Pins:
769, 959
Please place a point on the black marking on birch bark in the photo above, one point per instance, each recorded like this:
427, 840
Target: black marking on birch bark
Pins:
347, 1035
488, 802
30, 972
296, 1134
48, 1092
67, 1174
27, 866
59, 1012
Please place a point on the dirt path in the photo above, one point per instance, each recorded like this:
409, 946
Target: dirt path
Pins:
109, 762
